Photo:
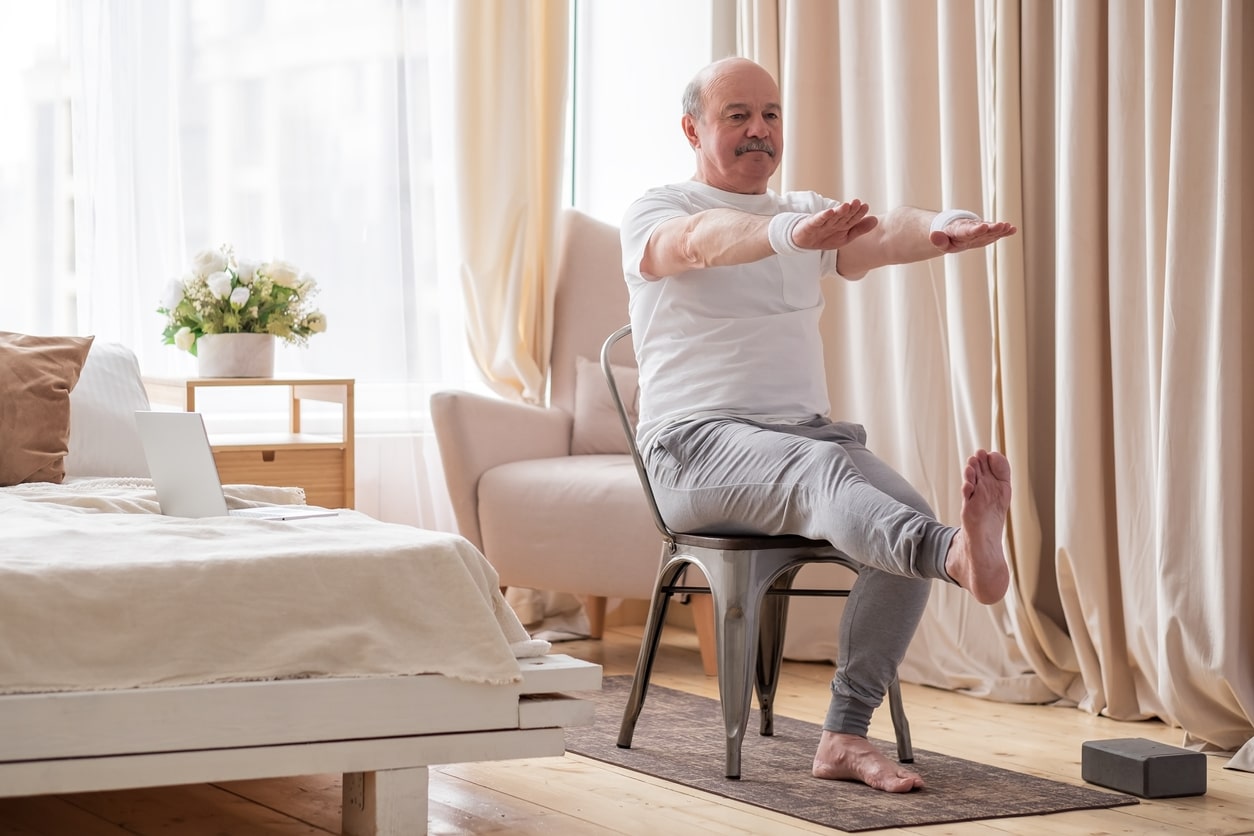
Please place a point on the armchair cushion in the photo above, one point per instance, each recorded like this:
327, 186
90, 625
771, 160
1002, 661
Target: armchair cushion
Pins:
597, 428
573, 523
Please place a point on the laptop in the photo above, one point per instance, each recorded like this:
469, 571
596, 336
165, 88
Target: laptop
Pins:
185, 475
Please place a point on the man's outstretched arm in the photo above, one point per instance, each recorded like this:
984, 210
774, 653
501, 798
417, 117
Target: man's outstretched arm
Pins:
726, 237
905, 235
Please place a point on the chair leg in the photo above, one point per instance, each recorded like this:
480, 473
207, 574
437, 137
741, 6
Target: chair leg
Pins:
648, 650
771, 652
901, 726
735, 686
703, 621
737, 601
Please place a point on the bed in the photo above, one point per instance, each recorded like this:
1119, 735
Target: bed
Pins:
141, 650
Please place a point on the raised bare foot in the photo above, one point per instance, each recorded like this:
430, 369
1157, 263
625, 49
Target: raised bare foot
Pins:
847, 757
975, 558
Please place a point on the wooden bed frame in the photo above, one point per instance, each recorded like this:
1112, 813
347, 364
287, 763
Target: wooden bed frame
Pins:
381, 732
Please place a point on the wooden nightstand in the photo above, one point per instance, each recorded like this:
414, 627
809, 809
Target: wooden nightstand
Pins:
321, 464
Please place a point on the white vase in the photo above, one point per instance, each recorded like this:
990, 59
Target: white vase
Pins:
235, 355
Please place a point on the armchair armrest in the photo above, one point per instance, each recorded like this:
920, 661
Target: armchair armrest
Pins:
476, 433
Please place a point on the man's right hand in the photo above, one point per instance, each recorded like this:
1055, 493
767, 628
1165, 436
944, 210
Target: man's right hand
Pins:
835, 227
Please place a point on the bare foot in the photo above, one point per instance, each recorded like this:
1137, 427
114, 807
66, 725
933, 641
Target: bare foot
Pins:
975, 558
847, 757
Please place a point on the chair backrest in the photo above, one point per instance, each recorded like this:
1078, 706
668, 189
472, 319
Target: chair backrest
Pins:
607, 349
590, 301
673, 538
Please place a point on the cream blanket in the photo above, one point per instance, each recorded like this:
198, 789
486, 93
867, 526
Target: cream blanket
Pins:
99, 590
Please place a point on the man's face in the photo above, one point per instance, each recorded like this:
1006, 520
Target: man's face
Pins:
739, 138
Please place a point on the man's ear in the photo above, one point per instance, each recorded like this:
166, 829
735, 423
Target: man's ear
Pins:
689, 126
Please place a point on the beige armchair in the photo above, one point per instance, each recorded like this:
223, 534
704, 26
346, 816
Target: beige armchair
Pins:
550, 494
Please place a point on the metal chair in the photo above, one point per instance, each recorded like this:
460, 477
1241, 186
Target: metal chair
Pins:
750, 579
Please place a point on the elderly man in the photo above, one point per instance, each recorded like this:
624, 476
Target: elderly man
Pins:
734, 416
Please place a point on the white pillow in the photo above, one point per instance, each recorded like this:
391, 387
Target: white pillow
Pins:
597, 427
103, 437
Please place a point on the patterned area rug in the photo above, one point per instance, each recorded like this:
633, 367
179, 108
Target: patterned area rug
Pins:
680, 738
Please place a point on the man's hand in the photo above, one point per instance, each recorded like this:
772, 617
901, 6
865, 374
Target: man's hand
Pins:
833, 228
966, 234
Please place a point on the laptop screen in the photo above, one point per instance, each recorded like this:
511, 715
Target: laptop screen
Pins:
181, 463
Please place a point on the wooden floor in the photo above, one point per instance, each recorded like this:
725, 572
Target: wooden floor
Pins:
572, 796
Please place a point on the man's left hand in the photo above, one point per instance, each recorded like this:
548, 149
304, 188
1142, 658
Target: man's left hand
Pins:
963, 234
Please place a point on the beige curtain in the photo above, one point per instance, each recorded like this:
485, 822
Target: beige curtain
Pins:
1151, 518
1101, 348
508, 128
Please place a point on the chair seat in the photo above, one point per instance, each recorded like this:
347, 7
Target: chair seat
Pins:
573, 523
750, 542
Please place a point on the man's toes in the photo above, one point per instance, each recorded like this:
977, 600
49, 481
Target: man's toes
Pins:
999, 466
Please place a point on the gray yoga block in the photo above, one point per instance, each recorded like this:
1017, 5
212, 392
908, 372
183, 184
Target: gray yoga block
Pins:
1142, 767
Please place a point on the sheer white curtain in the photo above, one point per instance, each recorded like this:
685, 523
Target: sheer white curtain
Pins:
307, 131
128, 226
36, 286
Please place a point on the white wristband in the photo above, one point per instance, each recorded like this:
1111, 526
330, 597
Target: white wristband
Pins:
943, 218
779, 232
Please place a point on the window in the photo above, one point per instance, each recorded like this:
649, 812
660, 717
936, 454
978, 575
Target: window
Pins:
36, 190
632, 59
302, 129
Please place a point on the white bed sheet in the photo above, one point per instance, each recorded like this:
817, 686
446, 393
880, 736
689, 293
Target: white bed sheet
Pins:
98, 590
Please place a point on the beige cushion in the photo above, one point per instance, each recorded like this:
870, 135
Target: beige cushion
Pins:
36, 377
597, 427
103, 438
575, 524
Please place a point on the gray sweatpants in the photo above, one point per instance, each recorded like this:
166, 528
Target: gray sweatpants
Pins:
818, 480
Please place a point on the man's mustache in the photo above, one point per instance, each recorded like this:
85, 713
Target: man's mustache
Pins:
756, 145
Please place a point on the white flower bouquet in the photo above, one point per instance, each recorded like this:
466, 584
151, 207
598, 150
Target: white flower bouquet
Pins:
222, 294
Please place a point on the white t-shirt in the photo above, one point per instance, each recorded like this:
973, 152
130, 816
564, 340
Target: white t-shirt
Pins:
741, 341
